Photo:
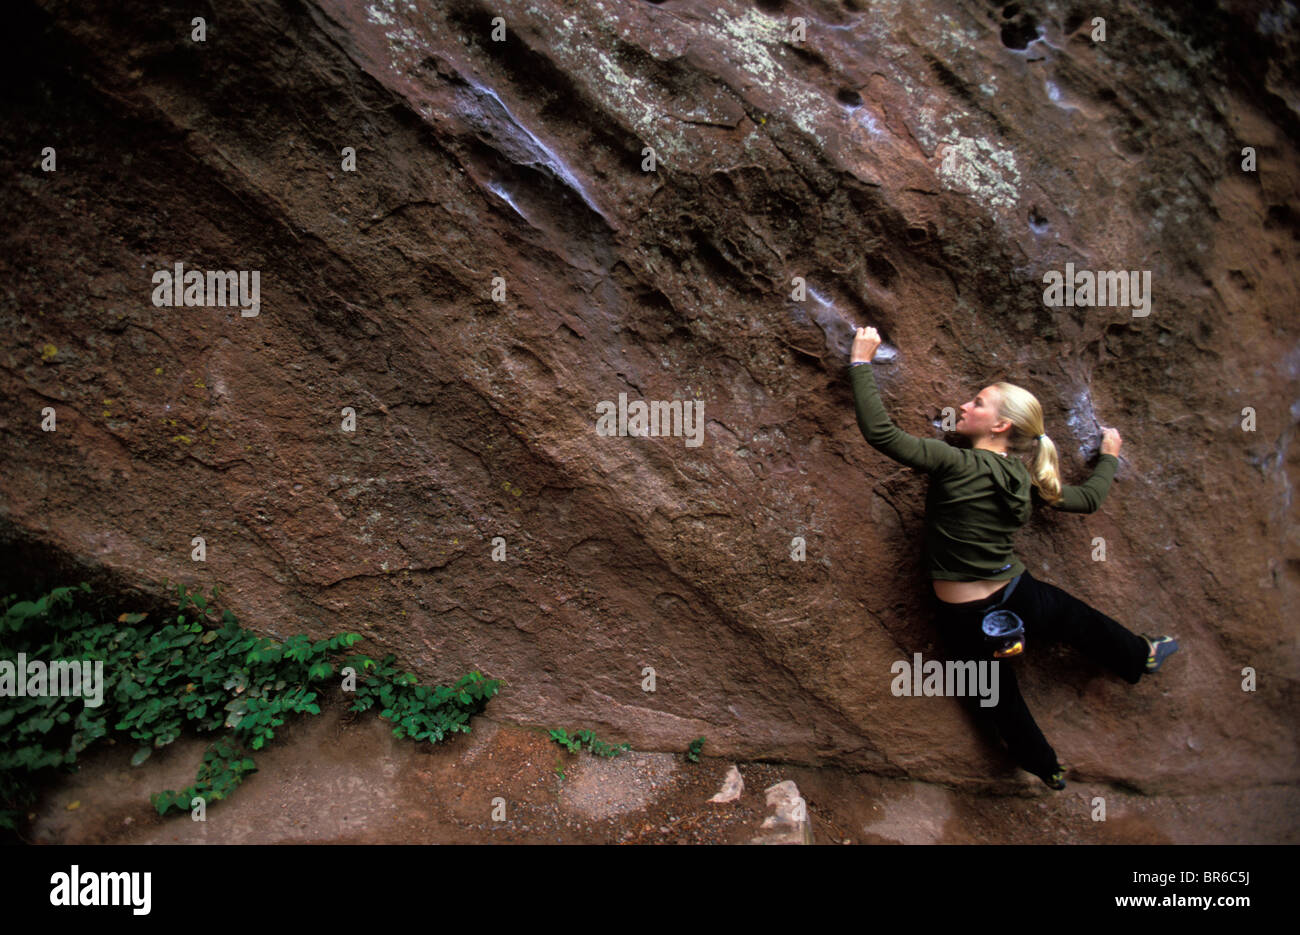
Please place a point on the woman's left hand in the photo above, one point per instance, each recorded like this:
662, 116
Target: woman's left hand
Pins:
864, 345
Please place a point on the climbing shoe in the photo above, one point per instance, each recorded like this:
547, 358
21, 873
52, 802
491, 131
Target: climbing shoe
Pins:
1056, 780
1162, 647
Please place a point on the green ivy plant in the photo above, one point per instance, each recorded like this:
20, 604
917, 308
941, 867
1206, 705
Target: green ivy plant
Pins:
693, 750
210, 675
585, 737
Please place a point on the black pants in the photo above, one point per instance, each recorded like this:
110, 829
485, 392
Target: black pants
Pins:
1051, 616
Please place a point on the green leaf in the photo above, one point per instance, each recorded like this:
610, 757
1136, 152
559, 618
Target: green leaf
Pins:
141, 755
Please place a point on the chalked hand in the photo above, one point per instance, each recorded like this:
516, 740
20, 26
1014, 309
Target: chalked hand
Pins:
1110, 442
864, 345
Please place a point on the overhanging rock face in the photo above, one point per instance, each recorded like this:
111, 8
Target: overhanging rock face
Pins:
466, 246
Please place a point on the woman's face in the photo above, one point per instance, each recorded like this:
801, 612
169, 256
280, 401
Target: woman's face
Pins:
980, 414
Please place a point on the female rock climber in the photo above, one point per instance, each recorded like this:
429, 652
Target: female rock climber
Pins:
977, 499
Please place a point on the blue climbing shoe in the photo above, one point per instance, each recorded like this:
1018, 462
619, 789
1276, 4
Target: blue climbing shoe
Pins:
1162, 647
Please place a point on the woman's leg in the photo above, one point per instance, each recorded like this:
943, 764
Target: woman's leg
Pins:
963, 639
1053, 615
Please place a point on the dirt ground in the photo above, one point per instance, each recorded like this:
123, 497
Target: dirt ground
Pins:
344, 778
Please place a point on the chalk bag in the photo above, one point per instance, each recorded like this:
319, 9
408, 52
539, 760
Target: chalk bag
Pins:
1006, 632
1003, 629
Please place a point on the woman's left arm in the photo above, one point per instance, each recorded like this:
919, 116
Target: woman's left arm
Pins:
924, 454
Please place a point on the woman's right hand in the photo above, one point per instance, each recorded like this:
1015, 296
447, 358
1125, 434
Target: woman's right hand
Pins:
1110, 442
865, 342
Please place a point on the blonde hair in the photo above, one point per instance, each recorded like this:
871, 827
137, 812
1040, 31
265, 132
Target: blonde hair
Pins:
1026, 415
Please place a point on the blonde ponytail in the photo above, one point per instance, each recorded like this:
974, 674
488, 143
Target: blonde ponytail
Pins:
1027, 437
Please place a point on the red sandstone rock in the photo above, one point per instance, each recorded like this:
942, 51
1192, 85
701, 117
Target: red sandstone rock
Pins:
920, 165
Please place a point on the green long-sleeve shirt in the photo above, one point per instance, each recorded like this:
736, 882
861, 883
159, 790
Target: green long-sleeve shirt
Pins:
977, 498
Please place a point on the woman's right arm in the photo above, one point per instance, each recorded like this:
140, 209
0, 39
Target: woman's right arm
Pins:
923, 454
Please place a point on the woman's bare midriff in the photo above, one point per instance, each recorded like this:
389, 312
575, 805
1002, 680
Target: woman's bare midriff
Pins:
958, 592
